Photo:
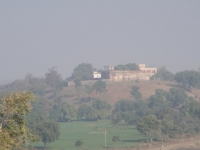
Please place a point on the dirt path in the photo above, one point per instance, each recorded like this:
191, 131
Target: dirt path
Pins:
186, 143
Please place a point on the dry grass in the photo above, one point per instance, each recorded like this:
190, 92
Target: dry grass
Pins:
116, 91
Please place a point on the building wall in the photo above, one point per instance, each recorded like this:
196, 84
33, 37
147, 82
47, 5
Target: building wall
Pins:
150, 71
128, 75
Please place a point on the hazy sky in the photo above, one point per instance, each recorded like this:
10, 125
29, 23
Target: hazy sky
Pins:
39, 34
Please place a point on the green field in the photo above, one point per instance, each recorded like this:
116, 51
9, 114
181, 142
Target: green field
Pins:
92, 133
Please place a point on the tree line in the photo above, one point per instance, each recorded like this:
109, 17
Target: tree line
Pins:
165, 115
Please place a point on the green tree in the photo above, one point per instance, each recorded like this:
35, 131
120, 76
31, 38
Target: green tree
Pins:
100, 109
116, 139
84, 111
168, 129
36, 115
53, 79
163, 74
36, 85
129, 66
77, 85
100, 104
63, 112
185, 125
48, 131
99, 86
78, 143
135, 92
124, 111
149, 126
167, 115
191, 108
83, 72
124, 106
141, 108
88, 89
158, 100
116, 119
188, 78
155, 101
14, 131
176, 96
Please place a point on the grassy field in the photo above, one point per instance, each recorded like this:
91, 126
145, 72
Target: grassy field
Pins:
92, 134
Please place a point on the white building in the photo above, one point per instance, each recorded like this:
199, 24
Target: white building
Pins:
96, 75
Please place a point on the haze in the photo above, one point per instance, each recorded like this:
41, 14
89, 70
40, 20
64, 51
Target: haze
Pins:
37, 35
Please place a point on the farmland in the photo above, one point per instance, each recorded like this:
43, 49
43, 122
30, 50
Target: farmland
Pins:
92, 134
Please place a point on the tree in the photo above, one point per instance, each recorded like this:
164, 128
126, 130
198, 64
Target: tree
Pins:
174, 123
129, 66
52, 78
14, 131
127, 111
77, 85
116, 119
135, 92
167, 115
100, 109
188, 78
158, 100
100, 104
48, 131
83, 72
78, 143
105, 73
124, 106
163, 74
176, 96
36, 85
62, 112
185, 124
99, 86
88, 89
168, 128
36, 115
84, 111
149, 126
141, 108
191, 108
116, 139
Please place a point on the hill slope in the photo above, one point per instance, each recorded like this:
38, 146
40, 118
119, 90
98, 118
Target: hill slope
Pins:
116, 91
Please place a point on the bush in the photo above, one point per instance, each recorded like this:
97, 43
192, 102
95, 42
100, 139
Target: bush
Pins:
78, 143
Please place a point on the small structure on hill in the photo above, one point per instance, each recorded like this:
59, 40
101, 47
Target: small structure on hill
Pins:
96, 75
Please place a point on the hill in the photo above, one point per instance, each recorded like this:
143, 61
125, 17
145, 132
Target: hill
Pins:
116, 91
